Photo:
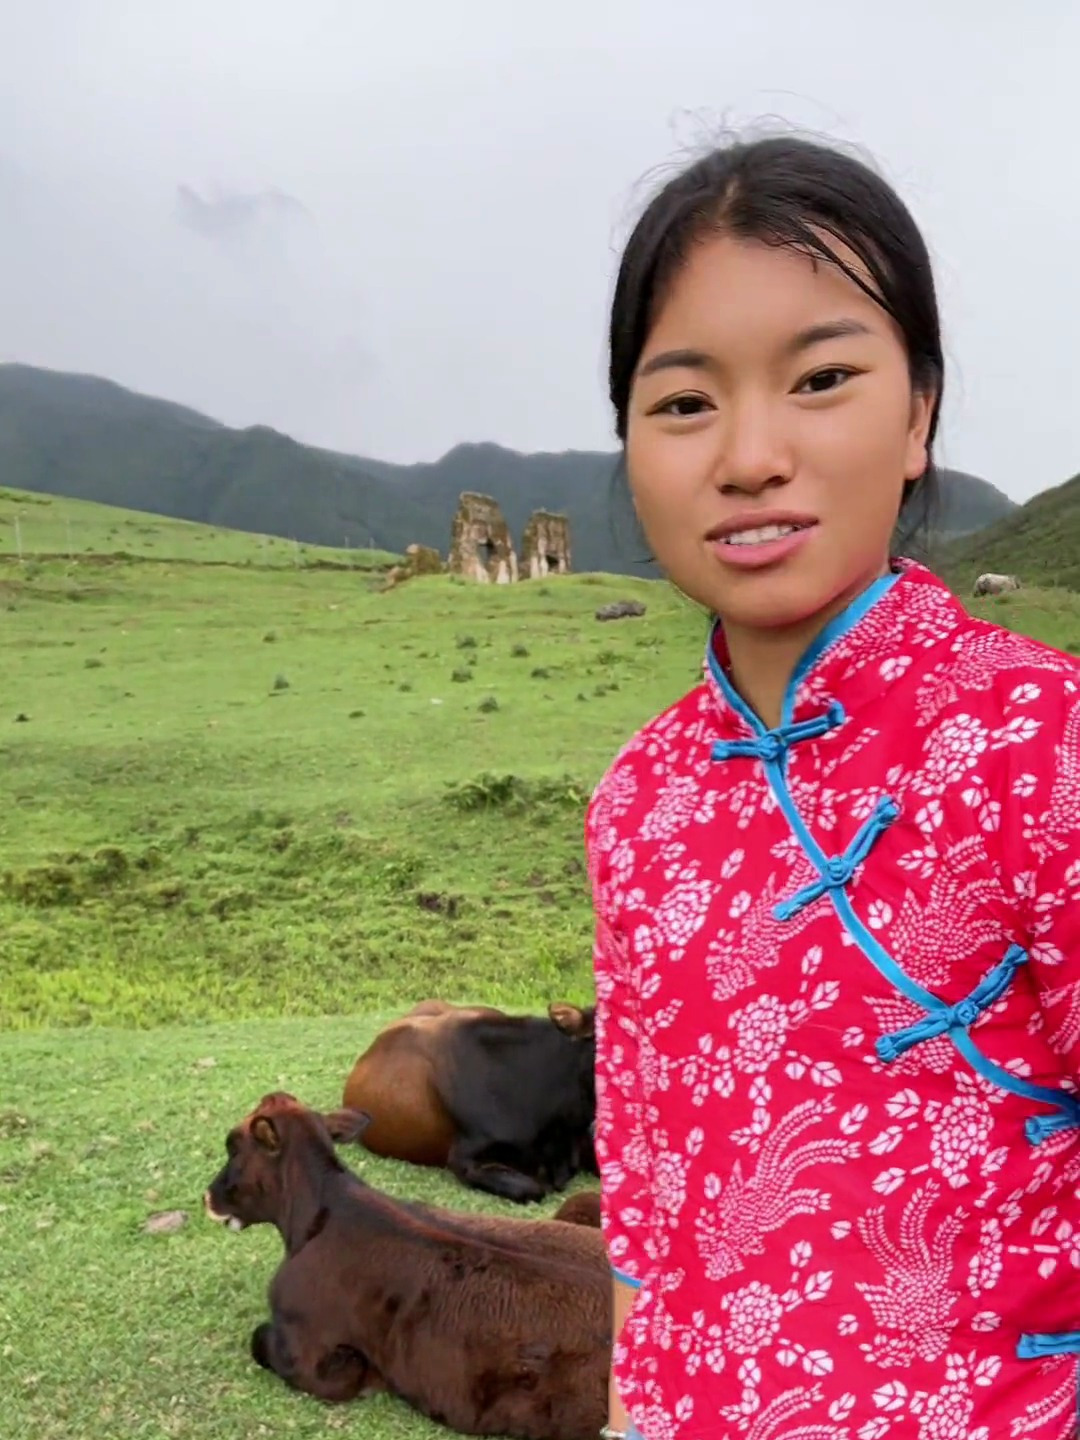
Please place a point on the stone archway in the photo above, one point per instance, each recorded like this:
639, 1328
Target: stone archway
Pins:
480, 544
545, 545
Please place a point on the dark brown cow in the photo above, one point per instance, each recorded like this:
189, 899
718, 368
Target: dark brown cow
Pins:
506, 1102
581, 1209
490, 1325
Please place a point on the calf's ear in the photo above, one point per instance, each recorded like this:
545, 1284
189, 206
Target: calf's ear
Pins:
571, 1019
264, 1133
345, 1126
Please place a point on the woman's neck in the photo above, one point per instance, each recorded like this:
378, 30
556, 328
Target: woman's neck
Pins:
762, 661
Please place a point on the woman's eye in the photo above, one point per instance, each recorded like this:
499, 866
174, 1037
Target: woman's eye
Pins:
824, 380
683, 406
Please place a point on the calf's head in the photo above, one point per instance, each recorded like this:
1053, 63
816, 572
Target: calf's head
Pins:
279, 1146
578, 1023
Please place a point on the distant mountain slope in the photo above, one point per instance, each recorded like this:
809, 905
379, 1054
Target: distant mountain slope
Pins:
52, 392
90, 439
1039, 541
969, 503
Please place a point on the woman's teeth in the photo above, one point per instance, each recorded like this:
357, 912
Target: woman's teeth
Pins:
761, 535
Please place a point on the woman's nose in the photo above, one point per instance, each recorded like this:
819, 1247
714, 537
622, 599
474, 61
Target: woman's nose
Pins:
755, 452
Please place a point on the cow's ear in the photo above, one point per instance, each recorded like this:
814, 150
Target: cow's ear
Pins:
571, 1019
264, 1133
346, 1126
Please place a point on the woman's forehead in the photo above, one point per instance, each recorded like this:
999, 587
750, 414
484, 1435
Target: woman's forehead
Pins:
731, 291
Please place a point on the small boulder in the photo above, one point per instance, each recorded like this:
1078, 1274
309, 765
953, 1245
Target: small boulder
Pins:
620, 609
165, 1222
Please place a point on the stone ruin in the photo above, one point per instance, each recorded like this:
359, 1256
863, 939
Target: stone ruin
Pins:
419, 560
481, 547
480, 544
545, 545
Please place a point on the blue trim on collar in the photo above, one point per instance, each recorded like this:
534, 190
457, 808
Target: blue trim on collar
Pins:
839, 626
731, 695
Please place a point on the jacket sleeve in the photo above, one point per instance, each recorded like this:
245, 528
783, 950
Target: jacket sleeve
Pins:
1042, 864
621, 1148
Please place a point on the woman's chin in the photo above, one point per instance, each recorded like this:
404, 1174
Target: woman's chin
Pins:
777, 607
780, 599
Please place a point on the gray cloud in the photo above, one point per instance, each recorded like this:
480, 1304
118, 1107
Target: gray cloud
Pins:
228, 217
389, 229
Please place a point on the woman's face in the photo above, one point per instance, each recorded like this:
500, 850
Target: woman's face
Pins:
771, 427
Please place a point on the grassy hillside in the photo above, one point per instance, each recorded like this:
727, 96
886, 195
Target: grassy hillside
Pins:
276, 789
252, 809
42, 526
1040, 542
85, 437
282, 791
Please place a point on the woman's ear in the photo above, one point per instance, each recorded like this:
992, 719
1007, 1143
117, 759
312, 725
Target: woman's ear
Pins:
918, 450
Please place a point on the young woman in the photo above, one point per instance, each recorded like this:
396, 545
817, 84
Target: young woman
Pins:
838, 884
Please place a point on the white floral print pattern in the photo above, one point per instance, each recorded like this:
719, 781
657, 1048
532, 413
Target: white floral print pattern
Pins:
831, 1246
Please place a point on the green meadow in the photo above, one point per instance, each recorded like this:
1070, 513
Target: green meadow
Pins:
254, 805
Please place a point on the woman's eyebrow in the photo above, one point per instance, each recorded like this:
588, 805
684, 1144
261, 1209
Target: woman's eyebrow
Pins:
825, 330
675, 360
803, 340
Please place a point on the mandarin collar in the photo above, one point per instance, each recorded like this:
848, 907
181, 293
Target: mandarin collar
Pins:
855, 658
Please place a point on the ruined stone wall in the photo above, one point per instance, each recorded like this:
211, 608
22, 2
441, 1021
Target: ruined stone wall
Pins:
480, 545
423, 560
545, 545
419, 560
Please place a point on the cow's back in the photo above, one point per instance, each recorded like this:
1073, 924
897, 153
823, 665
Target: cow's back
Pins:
577, 1245
515, 1074
394, 1082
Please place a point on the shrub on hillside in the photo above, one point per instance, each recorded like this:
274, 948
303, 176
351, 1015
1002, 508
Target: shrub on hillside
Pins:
515, 795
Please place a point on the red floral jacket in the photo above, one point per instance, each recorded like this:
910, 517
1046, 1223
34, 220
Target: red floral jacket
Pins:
838, 1029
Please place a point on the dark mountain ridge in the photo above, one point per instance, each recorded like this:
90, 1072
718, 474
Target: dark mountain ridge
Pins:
91, 439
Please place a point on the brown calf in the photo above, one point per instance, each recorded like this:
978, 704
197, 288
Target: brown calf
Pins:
506, 1102
490, 1325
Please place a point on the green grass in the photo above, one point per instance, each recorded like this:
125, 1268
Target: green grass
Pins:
249, 812
233, 789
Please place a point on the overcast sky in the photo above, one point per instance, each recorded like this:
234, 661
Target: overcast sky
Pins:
390, 227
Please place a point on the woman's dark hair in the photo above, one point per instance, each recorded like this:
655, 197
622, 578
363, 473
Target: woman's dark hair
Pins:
800, 194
